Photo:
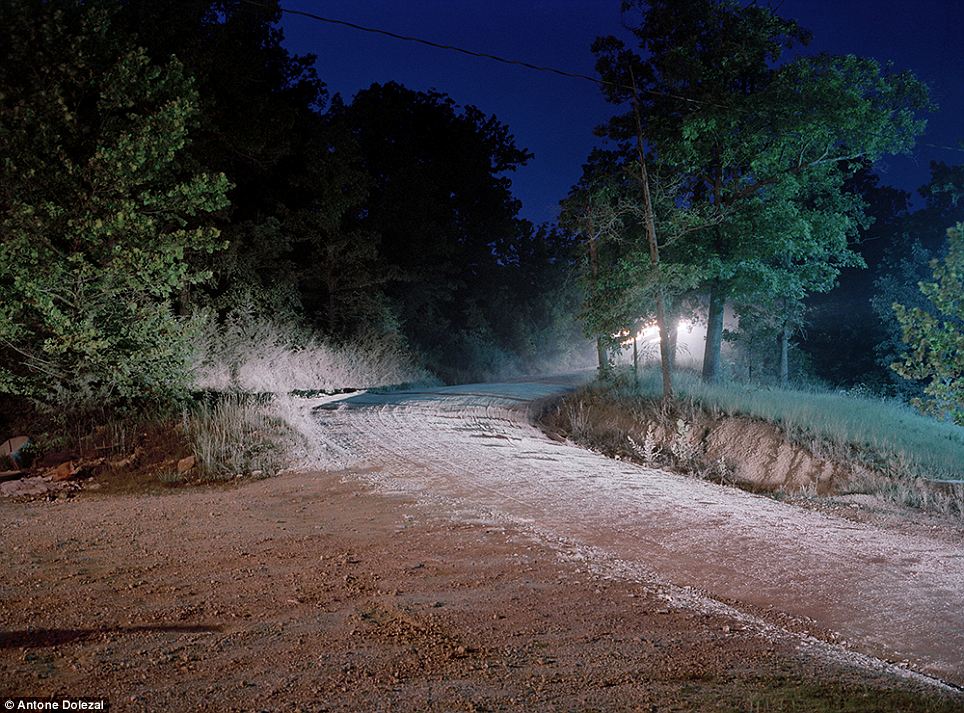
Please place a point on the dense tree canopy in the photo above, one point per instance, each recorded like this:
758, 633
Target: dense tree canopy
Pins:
765, 144
172, 162
931, 321
168, 161
100, 215
440, 204
936, 336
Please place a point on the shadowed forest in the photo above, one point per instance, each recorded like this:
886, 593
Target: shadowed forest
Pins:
185, 208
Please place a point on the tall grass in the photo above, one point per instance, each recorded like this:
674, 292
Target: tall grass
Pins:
883, 433
239, 435
255, 425
249, 353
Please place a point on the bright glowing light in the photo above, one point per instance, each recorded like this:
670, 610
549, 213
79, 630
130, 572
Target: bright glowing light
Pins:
650, 333
690, 343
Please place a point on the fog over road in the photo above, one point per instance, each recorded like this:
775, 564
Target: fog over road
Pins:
471, 450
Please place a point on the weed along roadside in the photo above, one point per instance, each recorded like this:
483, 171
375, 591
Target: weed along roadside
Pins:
247, 414
212, 437
780, 442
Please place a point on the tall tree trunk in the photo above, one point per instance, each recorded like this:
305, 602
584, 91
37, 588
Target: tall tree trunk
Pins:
673, 343
672, 317
602, 354
785, 336
785, 355
714, 335
664, 357
635, 357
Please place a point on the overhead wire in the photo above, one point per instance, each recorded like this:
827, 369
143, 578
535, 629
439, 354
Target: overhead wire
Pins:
502, 60
472, 53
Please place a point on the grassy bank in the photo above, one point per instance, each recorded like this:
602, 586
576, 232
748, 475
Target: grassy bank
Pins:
879, 432
770, 439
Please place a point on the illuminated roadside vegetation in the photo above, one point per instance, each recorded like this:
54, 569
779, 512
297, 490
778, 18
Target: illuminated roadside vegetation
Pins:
878, 431
871, 445
154, 245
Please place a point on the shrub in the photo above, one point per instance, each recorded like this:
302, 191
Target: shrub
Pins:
100, 217
249, 353
936, 338
239, 435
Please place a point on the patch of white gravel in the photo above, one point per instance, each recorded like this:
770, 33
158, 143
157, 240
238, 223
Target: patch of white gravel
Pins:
884, 595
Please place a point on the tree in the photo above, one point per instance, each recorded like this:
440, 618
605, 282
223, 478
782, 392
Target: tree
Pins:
99, 216
597, 211
915, 240
531, 307
842, 327
621, 279
390, 214
440, 201
936, 339
933, 328
749, 137
261, 123
810, 234
902, 270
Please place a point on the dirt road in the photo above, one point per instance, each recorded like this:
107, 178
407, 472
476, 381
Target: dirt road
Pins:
462, 561
897, 596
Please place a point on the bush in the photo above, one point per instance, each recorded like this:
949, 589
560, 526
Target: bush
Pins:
101, 218
239, 435
249, 353
936, 338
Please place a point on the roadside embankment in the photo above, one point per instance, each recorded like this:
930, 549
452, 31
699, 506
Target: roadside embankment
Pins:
768, 441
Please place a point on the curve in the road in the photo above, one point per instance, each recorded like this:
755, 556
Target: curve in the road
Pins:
893, 596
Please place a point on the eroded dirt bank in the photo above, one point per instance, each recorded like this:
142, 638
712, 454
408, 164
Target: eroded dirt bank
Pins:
310, 593
750, 453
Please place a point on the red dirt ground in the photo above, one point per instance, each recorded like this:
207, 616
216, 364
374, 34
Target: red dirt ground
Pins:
308, 592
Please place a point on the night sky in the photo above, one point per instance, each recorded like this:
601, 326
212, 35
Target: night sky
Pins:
554, 116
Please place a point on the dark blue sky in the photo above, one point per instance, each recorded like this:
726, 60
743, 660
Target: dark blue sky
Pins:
554, 116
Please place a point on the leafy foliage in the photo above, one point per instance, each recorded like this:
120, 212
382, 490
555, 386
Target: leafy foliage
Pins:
936, 338
99, 216
917, 239
619, 280
363, 228
261, 125
764, 146
903, 269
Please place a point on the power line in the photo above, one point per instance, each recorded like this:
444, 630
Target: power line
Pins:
505, 60
472, 53
946, 148
441, 46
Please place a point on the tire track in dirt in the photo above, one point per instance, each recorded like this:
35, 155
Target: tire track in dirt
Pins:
890, 595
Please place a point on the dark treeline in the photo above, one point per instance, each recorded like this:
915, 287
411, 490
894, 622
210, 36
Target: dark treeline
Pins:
391, 214
170, 170
167, 161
